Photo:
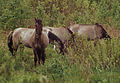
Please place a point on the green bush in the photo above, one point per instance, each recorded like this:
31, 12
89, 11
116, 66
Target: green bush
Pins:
15, 13
21, 13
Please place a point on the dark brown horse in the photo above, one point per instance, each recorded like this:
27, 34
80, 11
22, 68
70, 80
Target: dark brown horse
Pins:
39, 42
93, 31
37, 39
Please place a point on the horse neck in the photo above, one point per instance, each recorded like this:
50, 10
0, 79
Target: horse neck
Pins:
38, 35
37, 38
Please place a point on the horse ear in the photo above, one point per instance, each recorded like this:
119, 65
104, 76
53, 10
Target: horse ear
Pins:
36, 20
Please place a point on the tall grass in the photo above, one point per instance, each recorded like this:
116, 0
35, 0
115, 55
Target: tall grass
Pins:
86, 63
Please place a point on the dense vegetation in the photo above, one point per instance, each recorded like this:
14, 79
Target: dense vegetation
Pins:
59, 12
85, 63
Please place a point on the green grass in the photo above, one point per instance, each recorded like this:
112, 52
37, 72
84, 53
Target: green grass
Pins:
106, 77
100, 64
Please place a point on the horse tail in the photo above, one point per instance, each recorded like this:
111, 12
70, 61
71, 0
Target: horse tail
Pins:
104, 33
10, 42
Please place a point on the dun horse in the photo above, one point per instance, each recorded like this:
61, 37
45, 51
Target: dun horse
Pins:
64, 34
93, 32
40, 42
37, 39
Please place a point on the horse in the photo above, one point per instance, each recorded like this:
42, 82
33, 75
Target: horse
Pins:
64, 34
37, 39
39, 43
92, 31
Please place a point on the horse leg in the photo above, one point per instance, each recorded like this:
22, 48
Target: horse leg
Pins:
21, 48
35, 56
95, 42
61, 50
43, 56
15, 47
39, 56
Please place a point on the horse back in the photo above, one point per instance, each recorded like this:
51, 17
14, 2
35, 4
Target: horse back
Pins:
24, 36
62, 33
92, 31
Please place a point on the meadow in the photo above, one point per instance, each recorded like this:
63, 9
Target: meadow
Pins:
84, 63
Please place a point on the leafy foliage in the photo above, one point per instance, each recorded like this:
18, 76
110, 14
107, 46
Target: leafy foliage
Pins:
21, 13
84, 63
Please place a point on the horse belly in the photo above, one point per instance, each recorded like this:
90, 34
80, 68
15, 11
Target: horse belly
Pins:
27, 45
81, 31
89, 33
25, 39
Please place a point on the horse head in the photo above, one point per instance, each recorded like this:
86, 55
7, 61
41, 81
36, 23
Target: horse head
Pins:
38, 25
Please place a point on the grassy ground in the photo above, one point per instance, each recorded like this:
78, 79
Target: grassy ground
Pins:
100, 64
